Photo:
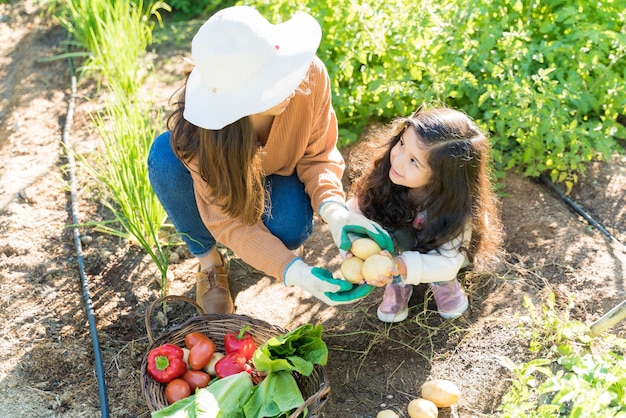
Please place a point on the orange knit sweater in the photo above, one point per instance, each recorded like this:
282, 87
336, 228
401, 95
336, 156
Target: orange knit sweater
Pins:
302, 139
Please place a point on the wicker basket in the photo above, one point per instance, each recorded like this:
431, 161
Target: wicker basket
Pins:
315, 388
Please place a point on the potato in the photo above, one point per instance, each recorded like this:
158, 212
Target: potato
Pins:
422, 408
387, 413
186, 357
210, 367
351, 269
441, 392
364, 247
374, 266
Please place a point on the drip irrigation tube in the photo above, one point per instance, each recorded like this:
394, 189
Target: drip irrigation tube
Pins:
104, 404
580, 211
618, 313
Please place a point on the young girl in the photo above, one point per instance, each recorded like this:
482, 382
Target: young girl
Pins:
431, 190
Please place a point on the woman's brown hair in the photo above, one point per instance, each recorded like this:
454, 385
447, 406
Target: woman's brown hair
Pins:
228, 161
460, 190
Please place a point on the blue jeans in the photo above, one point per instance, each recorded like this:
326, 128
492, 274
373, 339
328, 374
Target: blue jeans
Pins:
288, 216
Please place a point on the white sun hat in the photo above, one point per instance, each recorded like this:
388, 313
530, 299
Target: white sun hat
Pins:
246, 65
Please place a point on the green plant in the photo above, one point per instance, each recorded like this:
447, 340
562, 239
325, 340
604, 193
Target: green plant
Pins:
552, 81
546, 327
576, 376
127, 129
112, 36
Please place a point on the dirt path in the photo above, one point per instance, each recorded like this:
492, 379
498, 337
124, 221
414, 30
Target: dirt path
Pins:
46, 354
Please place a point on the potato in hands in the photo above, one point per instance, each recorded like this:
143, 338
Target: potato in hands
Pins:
364, 247
351, 269
377, 265
367, 264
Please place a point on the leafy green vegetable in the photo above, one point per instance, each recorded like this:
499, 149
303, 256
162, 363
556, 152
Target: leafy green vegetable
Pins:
276, 395
223, 399
298, 350
183, 408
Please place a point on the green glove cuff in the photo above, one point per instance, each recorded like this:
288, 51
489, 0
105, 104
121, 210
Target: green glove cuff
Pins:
326, 276
381, 238
357, 292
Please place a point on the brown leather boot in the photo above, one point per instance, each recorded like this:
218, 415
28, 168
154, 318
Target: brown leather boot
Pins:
212, 290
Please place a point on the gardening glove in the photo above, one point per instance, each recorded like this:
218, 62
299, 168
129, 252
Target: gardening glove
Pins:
321, 284
344, 224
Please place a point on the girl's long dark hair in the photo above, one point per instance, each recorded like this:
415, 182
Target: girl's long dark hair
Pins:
459, 192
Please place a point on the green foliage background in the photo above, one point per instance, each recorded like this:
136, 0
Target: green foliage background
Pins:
546, 78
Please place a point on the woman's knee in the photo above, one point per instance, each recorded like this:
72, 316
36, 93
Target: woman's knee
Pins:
297, 233
290, 216
161, 153
165, 170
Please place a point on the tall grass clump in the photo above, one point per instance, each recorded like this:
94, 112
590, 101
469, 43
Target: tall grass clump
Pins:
127, 129
114, 35
571, 374
546, 78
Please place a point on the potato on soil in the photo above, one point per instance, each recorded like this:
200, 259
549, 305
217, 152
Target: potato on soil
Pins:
375, 266
387, 413
441, 392
351, 269
364, 247
422, 408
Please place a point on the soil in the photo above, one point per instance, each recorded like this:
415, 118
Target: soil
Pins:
47, 356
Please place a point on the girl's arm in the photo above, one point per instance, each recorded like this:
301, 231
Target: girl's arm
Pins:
434, 266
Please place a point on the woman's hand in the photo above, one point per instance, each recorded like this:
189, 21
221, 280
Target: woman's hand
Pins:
321, 284
342, 223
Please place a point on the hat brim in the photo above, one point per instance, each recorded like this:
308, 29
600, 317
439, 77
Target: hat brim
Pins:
297, 41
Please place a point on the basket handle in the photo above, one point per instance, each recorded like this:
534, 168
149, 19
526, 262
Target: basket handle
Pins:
319, 395
163, 299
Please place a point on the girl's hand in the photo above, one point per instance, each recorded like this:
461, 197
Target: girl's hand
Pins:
393, 271
387, 278
381, 281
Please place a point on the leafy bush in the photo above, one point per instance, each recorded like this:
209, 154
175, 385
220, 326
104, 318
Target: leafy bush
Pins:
552, 83
184, 9
547, 78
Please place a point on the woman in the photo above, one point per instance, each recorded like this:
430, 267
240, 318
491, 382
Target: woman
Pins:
251, 153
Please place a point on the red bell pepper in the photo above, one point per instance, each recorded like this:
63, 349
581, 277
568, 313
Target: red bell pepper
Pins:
165, 363
241, 342
232, 363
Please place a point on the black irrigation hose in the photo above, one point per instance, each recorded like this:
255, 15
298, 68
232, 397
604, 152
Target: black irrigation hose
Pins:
579, 210
104, 404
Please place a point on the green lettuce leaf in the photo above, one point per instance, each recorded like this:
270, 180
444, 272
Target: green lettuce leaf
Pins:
298, 350
275, 396
185, 408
